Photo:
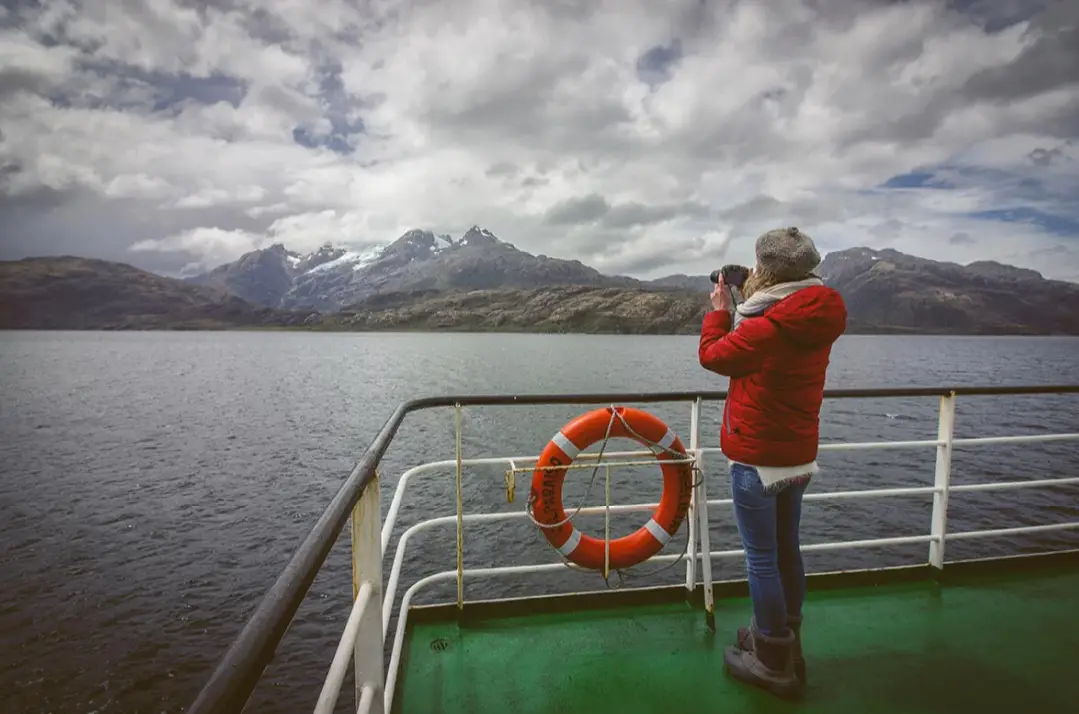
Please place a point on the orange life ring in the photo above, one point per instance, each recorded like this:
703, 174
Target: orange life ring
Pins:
578, 435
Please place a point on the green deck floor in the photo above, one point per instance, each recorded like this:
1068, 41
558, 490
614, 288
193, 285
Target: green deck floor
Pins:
1003, 643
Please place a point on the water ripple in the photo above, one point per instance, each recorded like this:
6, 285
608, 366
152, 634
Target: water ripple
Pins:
153, 485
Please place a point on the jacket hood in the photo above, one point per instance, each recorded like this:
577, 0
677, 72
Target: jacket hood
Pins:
813, 317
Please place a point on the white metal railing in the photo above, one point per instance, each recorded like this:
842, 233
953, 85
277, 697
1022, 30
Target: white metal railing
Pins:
366, 628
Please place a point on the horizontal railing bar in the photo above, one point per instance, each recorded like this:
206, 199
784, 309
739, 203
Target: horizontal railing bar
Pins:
1019, 530
865, 445
638, 507
868, 542
605, 462
331, 688
391, 516
856, 446
1022, 439
398, 496
239, 670
398, 560
1004, 485
466, 400
615, 508
399, 555
869, 493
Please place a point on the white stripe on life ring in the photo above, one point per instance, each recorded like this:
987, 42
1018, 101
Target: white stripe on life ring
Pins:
656, 530
572, 542
566, 445
667, 439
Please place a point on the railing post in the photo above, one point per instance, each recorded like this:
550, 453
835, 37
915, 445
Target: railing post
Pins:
367, 568
942, 481
694, 445
460, 515
700, 494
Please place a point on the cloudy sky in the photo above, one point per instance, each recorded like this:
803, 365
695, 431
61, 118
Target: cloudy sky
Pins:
640, 136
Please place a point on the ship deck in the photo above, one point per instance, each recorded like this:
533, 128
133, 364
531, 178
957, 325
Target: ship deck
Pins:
996, 636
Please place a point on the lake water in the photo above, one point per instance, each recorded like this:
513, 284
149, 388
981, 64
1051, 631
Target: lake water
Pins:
152, 485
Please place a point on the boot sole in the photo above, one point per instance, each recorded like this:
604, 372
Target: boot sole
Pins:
799, 667
792, 692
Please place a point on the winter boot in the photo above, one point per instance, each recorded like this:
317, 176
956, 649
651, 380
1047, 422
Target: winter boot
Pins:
768, 665
745, 642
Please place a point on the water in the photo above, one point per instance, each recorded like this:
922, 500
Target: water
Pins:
152, 485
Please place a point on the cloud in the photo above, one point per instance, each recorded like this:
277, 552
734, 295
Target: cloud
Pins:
212, 243
636, 136
585, 209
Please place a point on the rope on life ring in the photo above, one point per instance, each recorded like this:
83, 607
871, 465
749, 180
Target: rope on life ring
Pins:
545, 501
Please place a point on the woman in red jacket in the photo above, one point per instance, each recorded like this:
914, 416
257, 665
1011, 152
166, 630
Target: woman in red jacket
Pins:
775, 348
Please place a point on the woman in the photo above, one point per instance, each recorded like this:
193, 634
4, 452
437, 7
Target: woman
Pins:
775, 348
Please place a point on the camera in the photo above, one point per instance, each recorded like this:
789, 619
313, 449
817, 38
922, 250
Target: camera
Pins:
733, 275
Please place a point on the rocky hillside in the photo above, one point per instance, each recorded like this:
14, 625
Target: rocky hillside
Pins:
426, 282
82, 294
890, 291
418, 260
562, 308
694, 283
264, 277
260, 277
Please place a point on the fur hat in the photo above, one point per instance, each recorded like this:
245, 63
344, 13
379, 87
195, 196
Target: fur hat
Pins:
787, 253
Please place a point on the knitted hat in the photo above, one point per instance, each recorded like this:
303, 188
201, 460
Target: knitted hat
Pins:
787, 253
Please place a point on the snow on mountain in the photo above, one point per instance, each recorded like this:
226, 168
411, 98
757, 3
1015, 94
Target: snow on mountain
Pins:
357, 260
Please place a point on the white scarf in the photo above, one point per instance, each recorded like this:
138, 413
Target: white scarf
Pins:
766, 297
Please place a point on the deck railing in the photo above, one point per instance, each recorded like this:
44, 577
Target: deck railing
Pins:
358, 500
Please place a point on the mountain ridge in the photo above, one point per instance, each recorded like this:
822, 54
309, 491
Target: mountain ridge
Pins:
888, 288
75, 293
418, 259
424, 281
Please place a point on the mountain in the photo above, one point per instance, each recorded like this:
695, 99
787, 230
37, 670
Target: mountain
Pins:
552, 308
423, 281
886, 290
263, 277
695, 283
260, 277
418, 260
84, 294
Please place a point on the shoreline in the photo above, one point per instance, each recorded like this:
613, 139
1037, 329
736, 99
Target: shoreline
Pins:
858, 332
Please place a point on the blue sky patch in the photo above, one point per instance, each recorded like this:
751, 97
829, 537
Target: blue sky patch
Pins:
654, 66
174, 89
916, 179
336, 141
1060, 225
337, 109
997, 16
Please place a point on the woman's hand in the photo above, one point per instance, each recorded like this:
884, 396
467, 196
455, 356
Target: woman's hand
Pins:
721, 297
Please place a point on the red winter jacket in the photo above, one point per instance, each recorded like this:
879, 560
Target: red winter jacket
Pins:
776, 362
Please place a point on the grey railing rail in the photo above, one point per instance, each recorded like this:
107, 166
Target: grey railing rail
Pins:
239, 670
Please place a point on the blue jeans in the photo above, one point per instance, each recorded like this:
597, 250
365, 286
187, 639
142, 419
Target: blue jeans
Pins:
768, 523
